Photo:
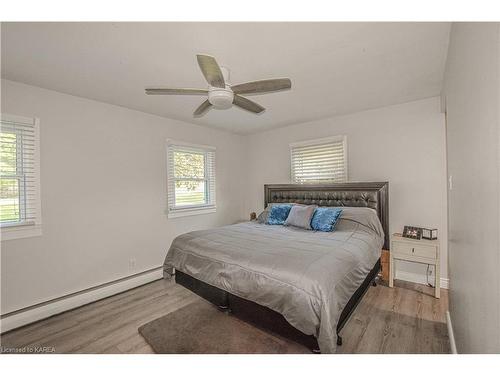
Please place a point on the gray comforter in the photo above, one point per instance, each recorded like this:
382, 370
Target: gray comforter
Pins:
306, 276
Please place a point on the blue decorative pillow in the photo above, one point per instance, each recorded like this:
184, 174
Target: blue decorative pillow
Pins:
278, 214
325, 218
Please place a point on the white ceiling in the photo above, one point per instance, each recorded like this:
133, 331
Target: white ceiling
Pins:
335, 68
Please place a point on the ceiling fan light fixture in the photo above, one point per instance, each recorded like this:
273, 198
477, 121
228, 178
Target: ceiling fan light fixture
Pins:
220, 98
221, 94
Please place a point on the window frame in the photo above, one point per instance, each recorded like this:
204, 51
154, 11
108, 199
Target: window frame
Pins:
318, 142
209, 175
20, 177
25, 228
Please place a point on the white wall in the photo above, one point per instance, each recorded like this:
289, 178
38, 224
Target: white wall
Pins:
472, 99
103, 181
403, 144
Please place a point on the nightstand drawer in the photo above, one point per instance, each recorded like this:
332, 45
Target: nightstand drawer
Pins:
415, 250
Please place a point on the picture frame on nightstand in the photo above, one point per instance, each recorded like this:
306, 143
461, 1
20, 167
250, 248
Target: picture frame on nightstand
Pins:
415, 233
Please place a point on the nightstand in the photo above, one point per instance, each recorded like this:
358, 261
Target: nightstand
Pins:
419, 251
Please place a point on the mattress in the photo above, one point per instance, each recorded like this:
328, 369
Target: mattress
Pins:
306, 276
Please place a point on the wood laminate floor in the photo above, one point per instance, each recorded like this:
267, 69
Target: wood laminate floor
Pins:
404, 319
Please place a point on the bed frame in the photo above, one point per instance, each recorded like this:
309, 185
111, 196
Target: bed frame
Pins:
353, 194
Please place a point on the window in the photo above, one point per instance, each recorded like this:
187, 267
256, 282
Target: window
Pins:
191, 179
20, 213
319, 161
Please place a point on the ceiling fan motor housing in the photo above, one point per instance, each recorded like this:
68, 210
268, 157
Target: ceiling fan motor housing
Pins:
220, 98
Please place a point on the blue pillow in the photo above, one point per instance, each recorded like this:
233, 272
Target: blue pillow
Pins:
325, 218
278, 214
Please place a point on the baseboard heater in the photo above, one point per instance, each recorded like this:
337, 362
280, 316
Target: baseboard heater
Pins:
44, 310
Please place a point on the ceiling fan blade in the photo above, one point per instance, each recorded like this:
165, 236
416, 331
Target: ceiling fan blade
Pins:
211, 70
159, 91
244, 103
202, 109
263, 86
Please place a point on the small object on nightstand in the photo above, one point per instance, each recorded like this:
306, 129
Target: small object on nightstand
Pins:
412, 232
429, 234
419, 251
253, 216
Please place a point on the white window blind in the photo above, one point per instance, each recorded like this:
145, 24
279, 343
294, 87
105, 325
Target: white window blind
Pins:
191, 179
19, 176
319, 161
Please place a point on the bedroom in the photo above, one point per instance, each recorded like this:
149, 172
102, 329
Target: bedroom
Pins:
262, 211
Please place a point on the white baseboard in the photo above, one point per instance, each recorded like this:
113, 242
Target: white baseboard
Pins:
44, 310
451, 336
420, 278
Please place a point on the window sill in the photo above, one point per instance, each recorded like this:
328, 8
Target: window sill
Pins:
191, 212
20, 231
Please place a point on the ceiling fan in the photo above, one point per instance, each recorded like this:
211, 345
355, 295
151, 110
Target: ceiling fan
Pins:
222, 95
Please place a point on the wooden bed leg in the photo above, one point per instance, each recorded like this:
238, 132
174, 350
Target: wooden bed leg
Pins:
339, 340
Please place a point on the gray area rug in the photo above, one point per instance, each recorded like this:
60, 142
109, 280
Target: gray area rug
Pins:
200, 328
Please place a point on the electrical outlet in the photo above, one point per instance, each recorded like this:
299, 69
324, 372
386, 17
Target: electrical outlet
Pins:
131, 263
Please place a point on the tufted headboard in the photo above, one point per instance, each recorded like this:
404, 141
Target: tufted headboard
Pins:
351, 194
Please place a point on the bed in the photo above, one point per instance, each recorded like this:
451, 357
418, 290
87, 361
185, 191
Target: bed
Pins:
299, 283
